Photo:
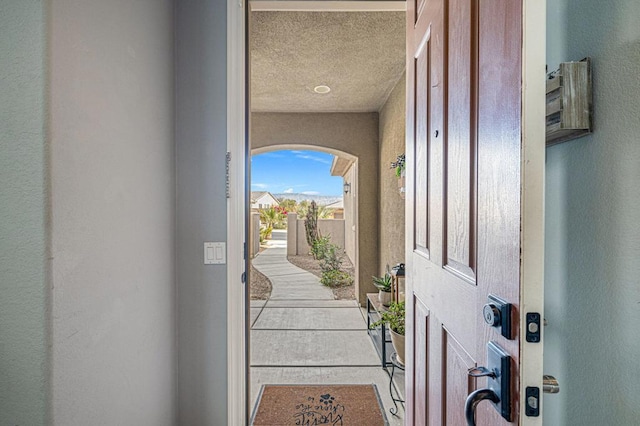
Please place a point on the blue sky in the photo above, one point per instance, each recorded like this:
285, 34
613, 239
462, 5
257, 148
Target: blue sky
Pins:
305, 172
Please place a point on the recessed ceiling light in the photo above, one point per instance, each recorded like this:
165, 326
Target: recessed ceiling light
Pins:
322, 89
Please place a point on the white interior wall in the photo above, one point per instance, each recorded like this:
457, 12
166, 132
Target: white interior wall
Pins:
201, 145
112, 192
24, 295
592, 290
114, 223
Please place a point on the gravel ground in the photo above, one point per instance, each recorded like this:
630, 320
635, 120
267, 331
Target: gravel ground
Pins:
309, 264
260, 285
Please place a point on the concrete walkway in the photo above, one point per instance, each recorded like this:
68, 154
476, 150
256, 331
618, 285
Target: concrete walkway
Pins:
301, 335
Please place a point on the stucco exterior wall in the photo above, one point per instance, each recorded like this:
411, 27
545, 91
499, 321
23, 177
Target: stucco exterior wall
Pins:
254, 235
112, 212
592, 290
350, 212
297, 234
392, 144
292, 236
351, 133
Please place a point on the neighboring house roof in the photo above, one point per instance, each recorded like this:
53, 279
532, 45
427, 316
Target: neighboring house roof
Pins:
263, 197
336, 205
255, 195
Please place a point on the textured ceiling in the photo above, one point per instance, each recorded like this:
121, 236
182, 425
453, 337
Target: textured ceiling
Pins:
359, 55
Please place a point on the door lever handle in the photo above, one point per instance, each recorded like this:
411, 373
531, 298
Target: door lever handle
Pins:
550, 384
498, 389
475, 398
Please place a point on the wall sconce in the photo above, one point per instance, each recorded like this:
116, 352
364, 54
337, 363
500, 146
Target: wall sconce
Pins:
347, 187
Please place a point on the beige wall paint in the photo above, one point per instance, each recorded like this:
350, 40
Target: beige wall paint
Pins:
112, 205
24, 210
254, 235
592, 290
392, 144
355, 134
297, 234
351, 212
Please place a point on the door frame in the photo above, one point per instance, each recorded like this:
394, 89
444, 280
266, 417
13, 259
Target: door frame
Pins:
532, 195
237, 181
532, 266
238, 390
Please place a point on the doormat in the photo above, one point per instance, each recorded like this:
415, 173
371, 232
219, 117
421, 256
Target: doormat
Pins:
312, 405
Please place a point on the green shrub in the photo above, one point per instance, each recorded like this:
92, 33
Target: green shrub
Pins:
336, 278
265, 233
332, 258
393, 318
319, 247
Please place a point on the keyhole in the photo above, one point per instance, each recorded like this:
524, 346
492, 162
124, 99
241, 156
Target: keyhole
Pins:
436, 133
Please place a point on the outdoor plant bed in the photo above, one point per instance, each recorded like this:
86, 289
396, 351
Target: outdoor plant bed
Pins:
260, 285
309, 264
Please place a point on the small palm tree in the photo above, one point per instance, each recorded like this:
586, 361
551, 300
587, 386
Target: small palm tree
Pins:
302, 208
289, 204
270, 217
324, 212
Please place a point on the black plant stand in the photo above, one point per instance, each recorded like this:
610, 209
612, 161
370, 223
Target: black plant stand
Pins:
395, 364
379, 335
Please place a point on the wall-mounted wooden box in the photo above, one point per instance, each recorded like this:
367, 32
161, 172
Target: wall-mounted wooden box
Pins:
569, 104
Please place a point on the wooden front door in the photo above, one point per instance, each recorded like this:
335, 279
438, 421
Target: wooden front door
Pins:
474, 225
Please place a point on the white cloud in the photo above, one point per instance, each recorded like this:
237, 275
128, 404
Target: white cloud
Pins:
311, 193
313, 158
288, 191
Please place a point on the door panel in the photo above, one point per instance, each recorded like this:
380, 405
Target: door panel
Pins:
421, 186
456, 384
418, 8
460, 150
464, 224
421, 321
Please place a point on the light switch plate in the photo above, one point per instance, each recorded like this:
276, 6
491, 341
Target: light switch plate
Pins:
215, 253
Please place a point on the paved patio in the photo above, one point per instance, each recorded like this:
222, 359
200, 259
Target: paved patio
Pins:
301, 335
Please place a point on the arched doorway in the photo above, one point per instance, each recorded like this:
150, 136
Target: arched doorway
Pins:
351, 136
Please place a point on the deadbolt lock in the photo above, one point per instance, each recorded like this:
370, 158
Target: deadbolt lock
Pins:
497, 313
491, 314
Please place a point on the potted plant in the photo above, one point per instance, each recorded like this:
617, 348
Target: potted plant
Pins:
399, 165
384, 286
394, 320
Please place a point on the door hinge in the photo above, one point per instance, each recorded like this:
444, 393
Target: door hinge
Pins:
227, 179
243, 277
